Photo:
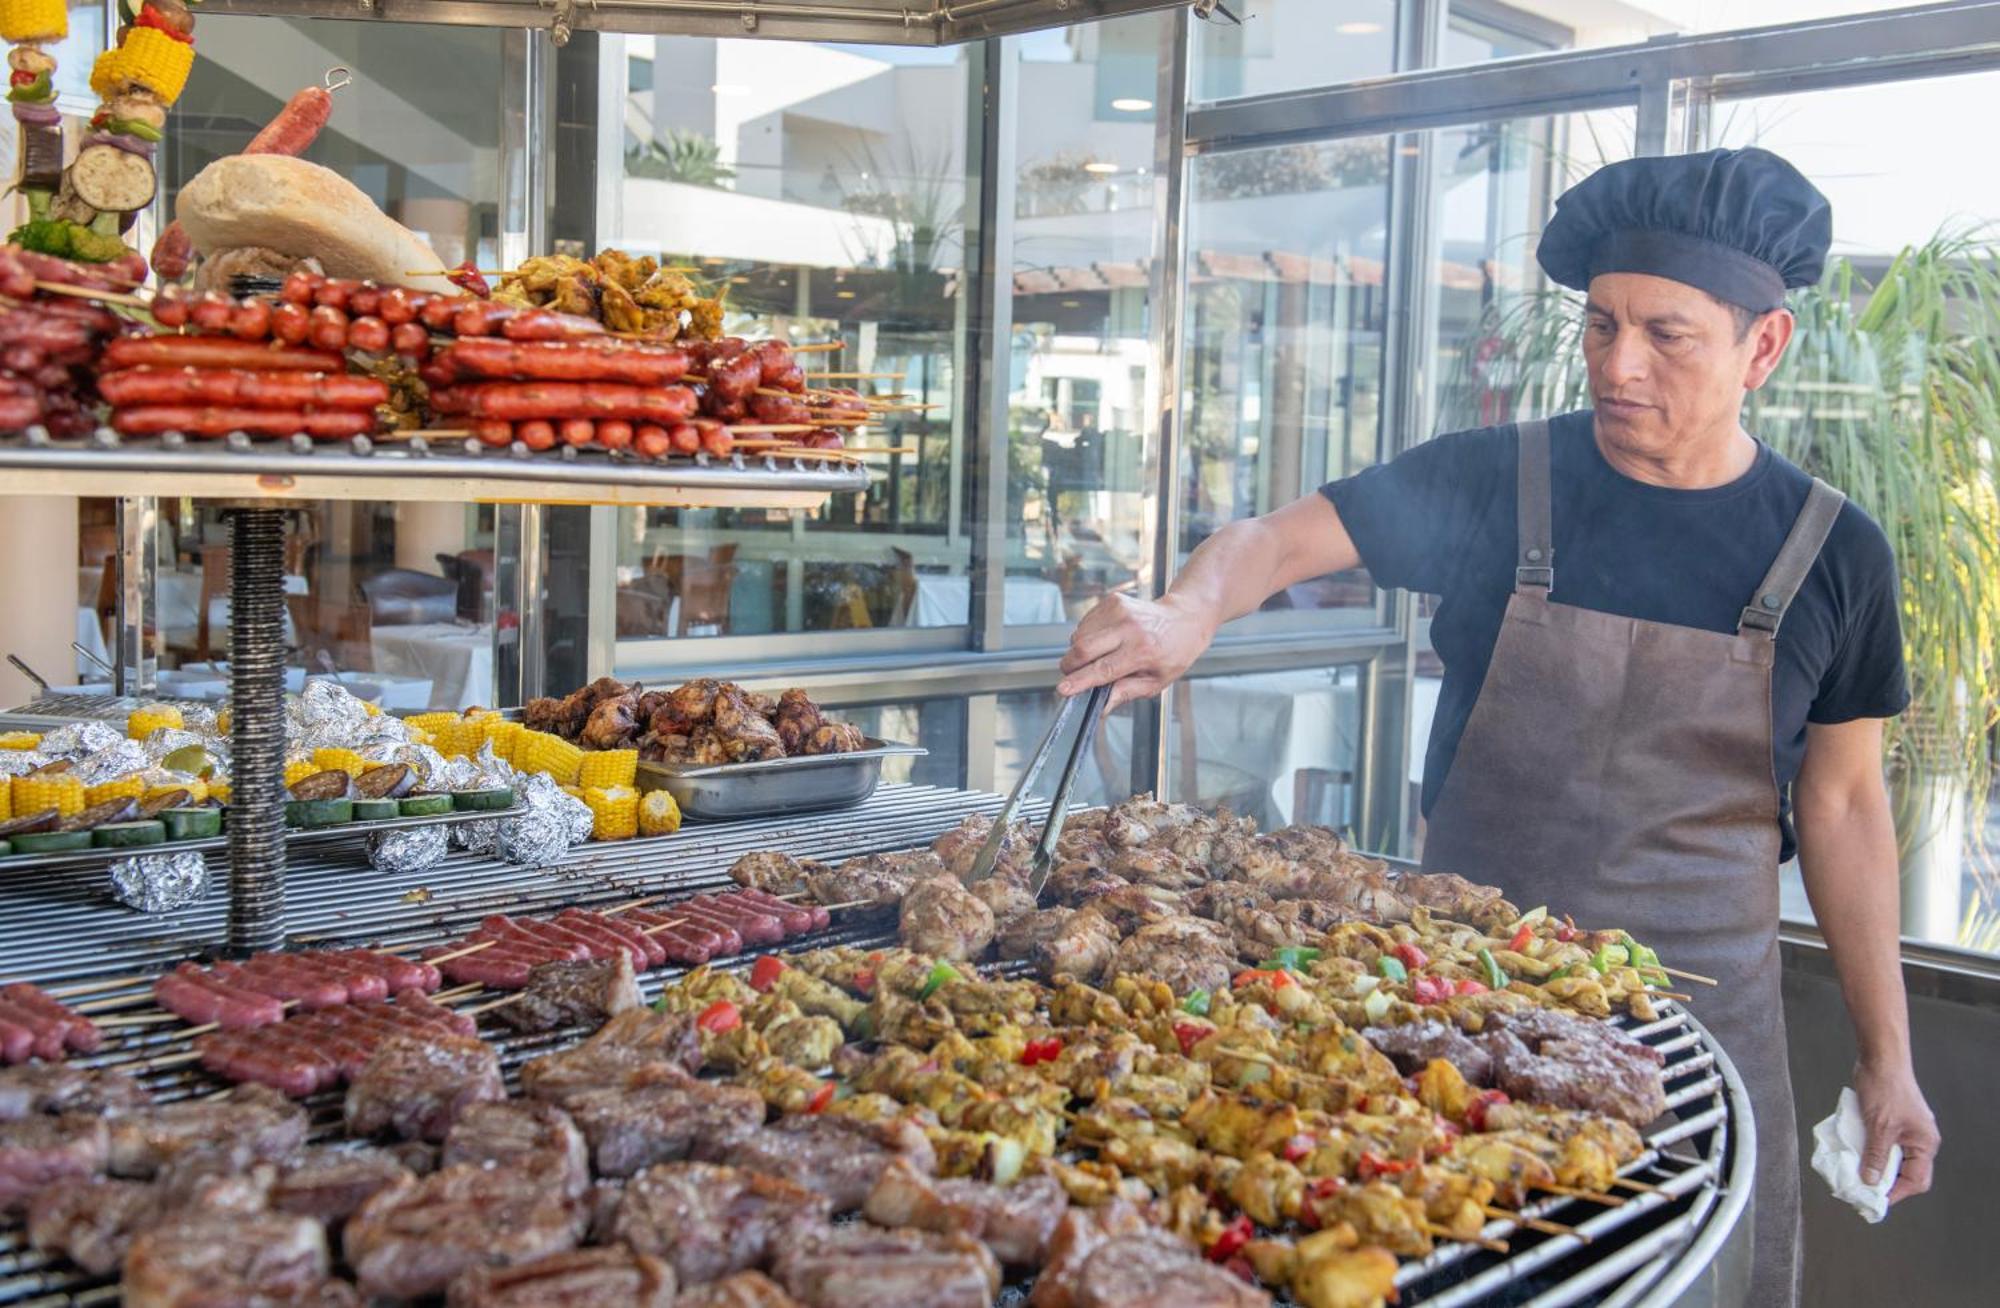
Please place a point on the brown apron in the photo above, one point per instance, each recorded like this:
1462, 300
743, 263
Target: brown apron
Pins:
1620, 771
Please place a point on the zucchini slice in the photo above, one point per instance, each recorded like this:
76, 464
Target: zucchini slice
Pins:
128, 835
50, 842
310, 813
192, 823
425, 805
375, 810
489, 800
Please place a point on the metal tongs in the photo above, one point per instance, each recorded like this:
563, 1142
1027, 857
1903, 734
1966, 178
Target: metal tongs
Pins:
1045, 847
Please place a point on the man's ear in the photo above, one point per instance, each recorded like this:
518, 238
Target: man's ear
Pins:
1770, 335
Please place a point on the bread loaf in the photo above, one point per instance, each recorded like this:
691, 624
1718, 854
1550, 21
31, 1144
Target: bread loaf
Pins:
276, 202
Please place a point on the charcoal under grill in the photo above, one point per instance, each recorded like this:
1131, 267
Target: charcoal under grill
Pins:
1679, 1241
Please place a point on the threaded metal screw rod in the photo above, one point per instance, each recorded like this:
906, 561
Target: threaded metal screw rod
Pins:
257, 730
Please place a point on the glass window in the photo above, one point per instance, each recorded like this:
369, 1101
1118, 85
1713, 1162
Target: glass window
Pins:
1493, 29
1280, 747
1286, 302
1868, 401
1023, 718
824, 189
1082, 258
1290, 45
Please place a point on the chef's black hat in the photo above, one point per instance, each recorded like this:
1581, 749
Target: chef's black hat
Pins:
1743, 225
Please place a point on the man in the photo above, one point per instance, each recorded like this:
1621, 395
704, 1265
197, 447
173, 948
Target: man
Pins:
1664, 645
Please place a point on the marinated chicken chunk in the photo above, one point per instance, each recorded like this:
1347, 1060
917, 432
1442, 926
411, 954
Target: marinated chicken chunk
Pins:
942, 918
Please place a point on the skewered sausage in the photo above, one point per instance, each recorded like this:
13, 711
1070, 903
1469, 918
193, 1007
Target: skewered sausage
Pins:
412, 340
151, 420
211, 312
548, 325
299, 288
290, 323
170, 307
651, 442
484, 358
266, 390
333, 292
329, 327
577, 431
686, 438
735, 378
369, 334
520, 401
439, 311
250, 321
400, 305
536, 434
213, 352
615, 434
365, 301
715, 437
490, 431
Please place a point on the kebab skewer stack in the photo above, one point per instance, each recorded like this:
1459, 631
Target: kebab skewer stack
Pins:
50, 342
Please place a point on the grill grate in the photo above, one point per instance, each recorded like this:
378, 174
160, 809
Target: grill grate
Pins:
50, 926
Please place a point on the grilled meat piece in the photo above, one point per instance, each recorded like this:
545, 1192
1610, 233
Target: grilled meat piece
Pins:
1414, 1044
328, 1185
1186, 953
1132, 906
1158, 867
657, 1118
411, 1239
1017, 938
1015, 1221
743, 1290
941, 917
959, 847
862, 1267
833, 738
797, 718
747, 736
773, 873
1007, 894
568, 992
1080, 1233
710, 1221
1077, 881
91, 1221
416, 1087
252, 1124
1081, 947
688, 706
1549, 1057
873, 880
524, 1135
59, 1088
1160, 1271
561, 1078
838, 1157
585, 1278
229, 1258
613, 723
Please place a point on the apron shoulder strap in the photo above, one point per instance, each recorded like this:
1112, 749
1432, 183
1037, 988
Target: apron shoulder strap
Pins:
1788, 571
1534, 563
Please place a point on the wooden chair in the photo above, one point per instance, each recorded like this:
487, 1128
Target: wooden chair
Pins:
215, 561
906, 587
703, 587
339, 630
95, 543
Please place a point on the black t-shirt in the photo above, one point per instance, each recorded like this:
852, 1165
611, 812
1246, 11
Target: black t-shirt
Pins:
1441, 520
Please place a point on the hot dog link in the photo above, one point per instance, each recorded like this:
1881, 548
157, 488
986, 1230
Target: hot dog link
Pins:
227, 386
214, 352
194, 420
522, 401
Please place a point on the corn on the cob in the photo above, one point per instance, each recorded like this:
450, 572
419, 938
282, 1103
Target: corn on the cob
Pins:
481, 714
219, 791
147, 57
418, 736
538, 751
502, 735
659, 815
129, 787
372, 710
605, 768
222, 722
431, 722
6, 802
459, 738
614, 813
298, 769
145, 720
196, 788
340, 760
20, 739
60, 791
34, 20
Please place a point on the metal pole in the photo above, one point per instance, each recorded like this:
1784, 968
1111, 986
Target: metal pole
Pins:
990, 331
257, 730
138, 565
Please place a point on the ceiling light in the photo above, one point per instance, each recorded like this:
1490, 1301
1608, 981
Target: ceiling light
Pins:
1072, 304
1131, 105
1101, 169
729, 88
1357, 29
843, 295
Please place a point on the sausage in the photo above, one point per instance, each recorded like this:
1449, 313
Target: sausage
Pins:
294, 984
717, 441
714, 921
722, 410
296, 125
400, 304
777, 409
398, 973
438, 312
170, 308
798, 918
365, 301
604, 941
536, 434
412, 340
234, 1057
735, 378
299, 287
548, 325
211, 312
649, 949
79, 1032
518, 401
329, 327
200, 997
491, 432
686, 438
484, 358
173, 252
755, 926
330, 424
44, 331
333, 292
368, 334
792, 379
685, 943
577, 431
17, 411
206, 352
223, 386
615, 434
290, 323
651, 442
24, 360
250, 321
473, 317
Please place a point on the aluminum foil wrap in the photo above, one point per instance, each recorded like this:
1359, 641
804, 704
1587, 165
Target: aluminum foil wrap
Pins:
537, 838
121, 759
166, 740
425, 762
16, 762
325, 715
410, 850
200, 719
539, 792
80, 739
159, 883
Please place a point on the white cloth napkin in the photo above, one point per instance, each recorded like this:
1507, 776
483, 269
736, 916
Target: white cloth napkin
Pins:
1837, 1146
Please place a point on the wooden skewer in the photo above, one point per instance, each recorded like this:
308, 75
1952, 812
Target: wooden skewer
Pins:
107, 1005
626, 908
852, 903
93, 987
658, 927
477, 1009
85, 293
456, 992
1534, 1223
139, 1019
773, 428
431, 433
1685, 976
168, 1060
1643, 1187
1671, 994
819, 347
461, 953
1438, 1232
1608, 1200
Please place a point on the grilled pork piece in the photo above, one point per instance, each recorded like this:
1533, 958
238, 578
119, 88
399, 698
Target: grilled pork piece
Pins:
560, 1078
1015, 1221
524, 1135
34, 1023
54, 1088
862, 1267
743, 1290
838, 1157
958, 849
417, 1087
1160, 1271
90, 1220
328, 1185
1545, 1056
1006, 893
873, 880
941, 917
566, 993
709, 1221
230, 1258
1080, 1233
586, 1278
413, 1238
251, 1125
772, 872
656, 1116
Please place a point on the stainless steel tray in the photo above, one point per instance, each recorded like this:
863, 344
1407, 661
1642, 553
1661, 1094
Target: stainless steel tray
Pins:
777, 786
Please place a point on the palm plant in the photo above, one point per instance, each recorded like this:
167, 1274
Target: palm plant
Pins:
687, 157
1891, 392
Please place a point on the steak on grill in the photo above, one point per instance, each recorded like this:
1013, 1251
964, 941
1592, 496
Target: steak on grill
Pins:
251, 1124
417, 1086
525, 1135
1014, 1221
585, 1278
743, 1290
709, 1221
91, 1221
839, 1157
411, 1239
39, 1151
330, 1184
59, 1088
229, 1258
568, 992
863, 1267
658, 1118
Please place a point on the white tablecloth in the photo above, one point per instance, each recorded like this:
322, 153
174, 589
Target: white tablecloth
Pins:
177, 602
947, 601
458, 661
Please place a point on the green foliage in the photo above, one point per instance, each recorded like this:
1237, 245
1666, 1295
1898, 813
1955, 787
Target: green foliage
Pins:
687, 157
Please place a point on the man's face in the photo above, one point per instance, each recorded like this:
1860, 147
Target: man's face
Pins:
1666, 367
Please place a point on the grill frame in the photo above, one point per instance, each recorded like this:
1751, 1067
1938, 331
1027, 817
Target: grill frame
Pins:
1655, 1249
